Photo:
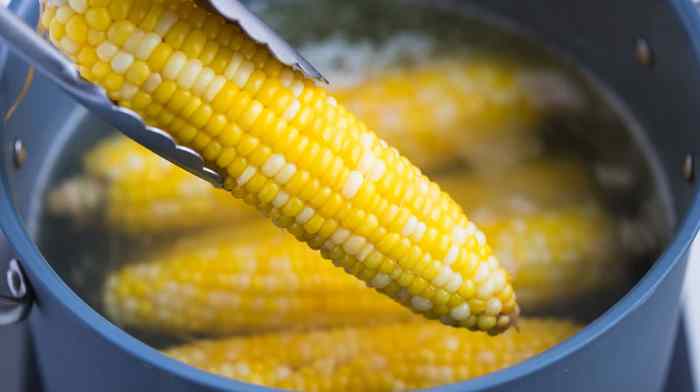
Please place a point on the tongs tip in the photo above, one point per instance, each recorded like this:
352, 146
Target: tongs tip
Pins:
235, 12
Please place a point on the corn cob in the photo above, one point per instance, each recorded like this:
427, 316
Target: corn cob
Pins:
537, 186
215, 283
440, 113
394, 357
254, 278
142, 193
286, 147
546, 228
557, 255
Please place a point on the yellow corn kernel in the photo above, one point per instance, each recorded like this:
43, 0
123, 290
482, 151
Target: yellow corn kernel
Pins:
394, 357
98, 19
251, 279
77, 29
369, 176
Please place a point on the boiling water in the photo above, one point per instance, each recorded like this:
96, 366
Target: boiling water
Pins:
353, 41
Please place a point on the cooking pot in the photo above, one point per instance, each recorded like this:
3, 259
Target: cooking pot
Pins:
647, 52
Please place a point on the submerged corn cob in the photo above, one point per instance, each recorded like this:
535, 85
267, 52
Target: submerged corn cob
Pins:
252, 279
537, 186
557, 256
142, 193
546, 228
437, 114
394, 357
286, 147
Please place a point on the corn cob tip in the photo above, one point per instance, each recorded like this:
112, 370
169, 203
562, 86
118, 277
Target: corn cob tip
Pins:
507, 321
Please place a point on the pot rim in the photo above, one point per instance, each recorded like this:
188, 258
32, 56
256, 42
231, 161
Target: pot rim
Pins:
39, 268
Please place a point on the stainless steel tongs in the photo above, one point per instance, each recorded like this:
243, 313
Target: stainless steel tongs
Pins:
35, 50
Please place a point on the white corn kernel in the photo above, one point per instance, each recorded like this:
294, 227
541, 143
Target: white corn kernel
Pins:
459, 235
166, 22
366, 163
481, 273
216, 85
352, 184
366, 251
410, 226
292, 110
189, 74
174, 66
378, 170
421, 304
248, 173
233, 65
354, 245
486, 289
78, 5
63, 14
149, 42
128, 91
286, 173
452, 255
297, 88
460, 312
442, 277
420, 230
380, 280
280, 200
273, 165
243, 73
121, 62
106, 51
493, 307
340, 236
305, 214
454, 283
203, 80
68, 45
152, 83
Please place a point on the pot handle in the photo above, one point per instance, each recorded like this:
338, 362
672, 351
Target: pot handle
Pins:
16, 304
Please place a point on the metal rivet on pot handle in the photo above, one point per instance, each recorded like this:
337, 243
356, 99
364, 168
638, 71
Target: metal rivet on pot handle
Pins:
644, 53
15, 307
19, 153
689, 168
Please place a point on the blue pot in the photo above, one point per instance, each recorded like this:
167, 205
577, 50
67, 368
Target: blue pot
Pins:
627, 348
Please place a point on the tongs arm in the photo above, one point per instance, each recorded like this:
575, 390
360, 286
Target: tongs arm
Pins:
36, 51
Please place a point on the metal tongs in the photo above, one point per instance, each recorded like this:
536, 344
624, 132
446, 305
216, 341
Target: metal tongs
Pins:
35, 50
